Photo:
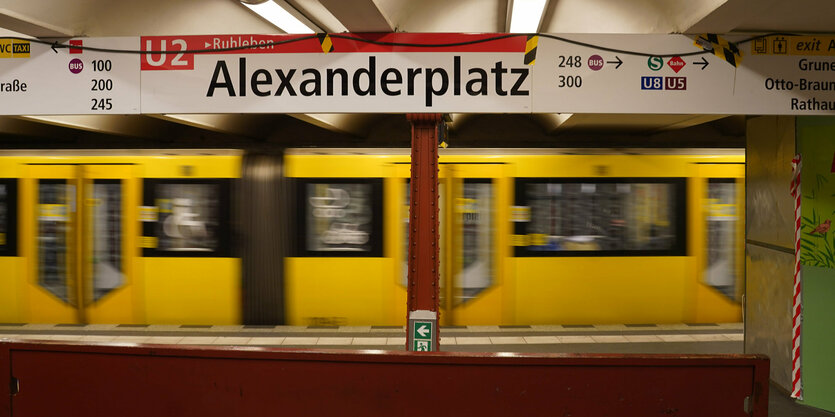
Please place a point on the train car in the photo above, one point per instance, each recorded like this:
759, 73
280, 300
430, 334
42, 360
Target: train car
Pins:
318, 236
126, 237
527, 236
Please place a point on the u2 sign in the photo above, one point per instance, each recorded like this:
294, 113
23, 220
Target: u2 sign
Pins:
303, 75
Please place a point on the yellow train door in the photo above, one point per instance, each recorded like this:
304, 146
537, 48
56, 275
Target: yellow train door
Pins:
79, 236
472, 243
718, 241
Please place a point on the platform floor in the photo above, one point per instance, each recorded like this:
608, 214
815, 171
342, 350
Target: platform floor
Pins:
612, 338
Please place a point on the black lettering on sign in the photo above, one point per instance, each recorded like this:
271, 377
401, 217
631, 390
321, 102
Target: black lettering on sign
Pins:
14, 86
446, 81
20, 48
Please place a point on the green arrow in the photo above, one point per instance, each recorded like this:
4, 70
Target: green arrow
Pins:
422, 330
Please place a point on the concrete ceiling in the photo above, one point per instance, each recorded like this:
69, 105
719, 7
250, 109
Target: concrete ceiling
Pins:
99, 18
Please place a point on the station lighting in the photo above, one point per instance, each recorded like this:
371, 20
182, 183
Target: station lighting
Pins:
525, 15
281, 14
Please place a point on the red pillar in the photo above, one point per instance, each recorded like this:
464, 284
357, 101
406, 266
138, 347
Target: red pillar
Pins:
423, 295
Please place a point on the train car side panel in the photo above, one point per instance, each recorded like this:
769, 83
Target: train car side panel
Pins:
339, 291
11, 261
192, 290
601, 165
11, 297
600, 290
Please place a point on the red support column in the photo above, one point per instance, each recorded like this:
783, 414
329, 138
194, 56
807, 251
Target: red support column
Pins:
423, 333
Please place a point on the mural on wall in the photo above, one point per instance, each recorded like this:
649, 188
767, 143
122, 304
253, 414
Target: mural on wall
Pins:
818, 205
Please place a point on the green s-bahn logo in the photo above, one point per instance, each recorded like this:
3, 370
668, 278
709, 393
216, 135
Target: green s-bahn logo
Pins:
655, 63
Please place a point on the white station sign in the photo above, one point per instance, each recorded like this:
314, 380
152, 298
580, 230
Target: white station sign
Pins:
36, 79
413, 73
775, 75
305, 76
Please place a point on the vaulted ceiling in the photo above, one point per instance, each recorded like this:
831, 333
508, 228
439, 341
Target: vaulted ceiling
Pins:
100, 18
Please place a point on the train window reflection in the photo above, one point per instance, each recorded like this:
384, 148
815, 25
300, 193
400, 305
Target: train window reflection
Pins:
8, 217
599, 217
721, 271
474, 254
341, 217
3, 216
188, 217
107, 237
56, 205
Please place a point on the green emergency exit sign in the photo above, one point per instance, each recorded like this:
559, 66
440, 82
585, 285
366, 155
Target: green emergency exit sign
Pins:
422, 335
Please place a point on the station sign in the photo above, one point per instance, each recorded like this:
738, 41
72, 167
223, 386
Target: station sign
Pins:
304, 74
36, 79
413, 73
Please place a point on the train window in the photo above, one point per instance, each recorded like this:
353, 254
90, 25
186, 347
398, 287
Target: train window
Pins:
8, 217
600, 217
192, 217
56, 207
721, 271
474, 254
340, 217
106, 226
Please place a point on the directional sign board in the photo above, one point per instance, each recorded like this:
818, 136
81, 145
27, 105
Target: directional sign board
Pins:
37, 79
580, 79
420, 72
421, 333
658, 74
422, 336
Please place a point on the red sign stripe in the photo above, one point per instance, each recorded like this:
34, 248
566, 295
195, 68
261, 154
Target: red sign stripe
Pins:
342, 43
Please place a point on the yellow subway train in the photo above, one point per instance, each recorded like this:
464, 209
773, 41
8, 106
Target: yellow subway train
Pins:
318, 236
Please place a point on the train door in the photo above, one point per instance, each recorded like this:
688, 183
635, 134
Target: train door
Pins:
718, 241
470, 243
81, 233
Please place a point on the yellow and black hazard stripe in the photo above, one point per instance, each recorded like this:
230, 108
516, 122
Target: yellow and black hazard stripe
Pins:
530, 49
325, 42
720, 47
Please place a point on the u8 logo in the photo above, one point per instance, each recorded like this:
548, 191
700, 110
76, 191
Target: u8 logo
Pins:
652, 83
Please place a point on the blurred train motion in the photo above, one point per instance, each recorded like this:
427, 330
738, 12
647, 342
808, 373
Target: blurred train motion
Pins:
318, 236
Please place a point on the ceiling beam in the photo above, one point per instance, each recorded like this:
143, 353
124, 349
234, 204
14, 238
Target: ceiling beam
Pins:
119, 125
692, 120
317, 13
714, 16
246, 125
552, 121
355, 124
30, 26
11, 125
359, 15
